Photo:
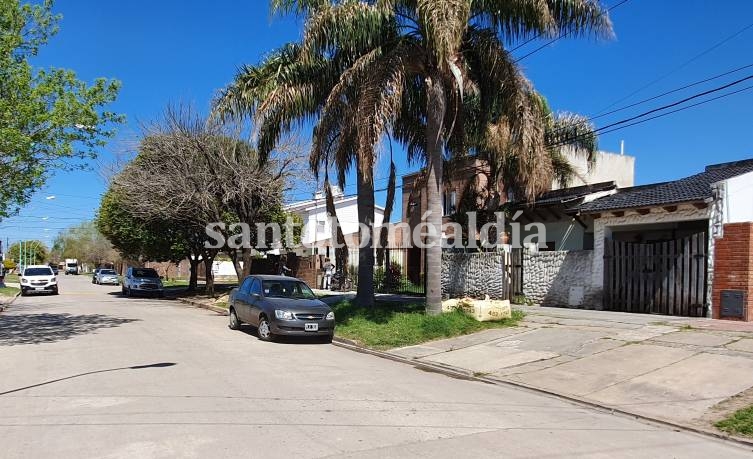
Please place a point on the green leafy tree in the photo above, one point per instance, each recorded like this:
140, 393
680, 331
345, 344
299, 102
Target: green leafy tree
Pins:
49, 119
140, 240
85, 243
28, 252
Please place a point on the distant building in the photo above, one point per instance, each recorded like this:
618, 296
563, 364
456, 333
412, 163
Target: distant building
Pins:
317, 232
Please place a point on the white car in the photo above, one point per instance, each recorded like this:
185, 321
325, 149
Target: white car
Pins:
38, 278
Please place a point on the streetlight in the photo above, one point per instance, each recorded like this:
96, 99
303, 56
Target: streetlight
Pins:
25, 244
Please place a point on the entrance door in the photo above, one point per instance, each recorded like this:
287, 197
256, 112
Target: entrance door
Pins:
658, 278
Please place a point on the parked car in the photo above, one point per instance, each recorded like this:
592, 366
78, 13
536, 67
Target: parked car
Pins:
280, 306
106, 276
142, 281
38, 278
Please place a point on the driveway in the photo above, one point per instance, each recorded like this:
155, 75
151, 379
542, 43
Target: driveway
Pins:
675, 369
91, 374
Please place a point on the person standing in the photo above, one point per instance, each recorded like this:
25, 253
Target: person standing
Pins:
329, 270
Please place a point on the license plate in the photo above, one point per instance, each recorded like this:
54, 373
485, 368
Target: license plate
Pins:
311, 327
38, 288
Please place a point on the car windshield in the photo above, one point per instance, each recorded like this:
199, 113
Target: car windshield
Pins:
287, 289
37, 272
107, 271
145, 273
72, 265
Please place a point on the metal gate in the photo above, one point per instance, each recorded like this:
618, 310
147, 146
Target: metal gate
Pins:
657, 278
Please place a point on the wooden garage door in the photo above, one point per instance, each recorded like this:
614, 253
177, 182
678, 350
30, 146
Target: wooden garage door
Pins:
658, 278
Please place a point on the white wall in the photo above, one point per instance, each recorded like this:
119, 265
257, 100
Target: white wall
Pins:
738, 199
347, 215
608, 167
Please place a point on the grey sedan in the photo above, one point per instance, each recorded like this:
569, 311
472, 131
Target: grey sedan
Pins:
106, 276
280, 306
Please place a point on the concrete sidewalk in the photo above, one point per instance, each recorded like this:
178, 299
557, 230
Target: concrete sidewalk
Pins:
667, 368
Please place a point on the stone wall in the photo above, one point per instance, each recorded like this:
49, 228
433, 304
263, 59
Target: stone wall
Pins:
561, 278
475, 275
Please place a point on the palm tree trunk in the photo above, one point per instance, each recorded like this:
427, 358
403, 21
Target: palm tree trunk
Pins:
341, 249
436, 106
365, 182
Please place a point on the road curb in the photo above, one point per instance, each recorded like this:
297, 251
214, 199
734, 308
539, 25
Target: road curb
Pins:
198, 304
460, 373
5, 305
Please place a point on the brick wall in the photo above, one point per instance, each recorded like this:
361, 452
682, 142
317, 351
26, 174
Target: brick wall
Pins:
733, 265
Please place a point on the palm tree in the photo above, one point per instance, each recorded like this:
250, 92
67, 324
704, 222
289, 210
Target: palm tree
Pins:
413, 64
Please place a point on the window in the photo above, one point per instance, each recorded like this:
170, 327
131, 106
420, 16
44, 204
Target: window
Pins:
449, 202
588, 241
547, 247
256, 287
320, 226
37, 272
287, 289
246, 287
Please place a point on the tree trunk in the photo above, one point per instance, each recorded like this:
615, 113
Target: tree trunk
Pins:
208, 276
341, 249
365, 179
247, 261
436, 106
193, 279
384, 231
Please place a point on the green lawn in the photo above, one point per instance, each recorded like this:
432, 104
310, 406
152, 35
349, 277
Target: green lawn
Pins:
175, 283
390, 325
740, 423
9, 291
11, 278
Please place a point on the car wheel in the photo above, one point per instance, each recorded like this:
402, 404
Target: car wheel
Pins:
122, 290
129, 293
23, 292
234, 323
328, 339
264, 329
55, 292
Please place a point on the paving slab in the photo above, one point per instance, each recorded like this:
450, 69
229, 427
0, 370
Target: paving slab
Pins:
559, 340
597, 372
473, 339
683, 390
744, 345
414, 352
695, 338
489, 359
643, 333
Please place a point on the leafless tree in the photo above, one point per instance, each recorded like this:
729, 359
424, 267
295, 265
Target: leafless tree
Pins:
197, 171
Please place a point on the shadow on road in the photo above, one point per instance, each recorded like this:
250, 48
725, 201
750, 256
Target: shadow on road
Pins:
135, 367
49, 328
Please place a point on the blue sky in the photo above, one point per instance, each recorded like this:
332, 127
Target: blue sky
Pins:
166, 51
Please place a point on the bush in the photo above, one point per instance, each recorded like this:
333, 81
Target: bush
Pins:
389, 280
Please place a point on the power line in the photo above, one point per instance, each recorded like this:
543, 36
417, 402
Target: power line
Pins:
622, 124
561, 36
683, 65
706, 80
747, 88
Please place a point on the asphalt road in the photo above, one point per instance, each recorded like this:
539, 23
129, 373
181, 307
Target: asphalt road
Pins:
90, 374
